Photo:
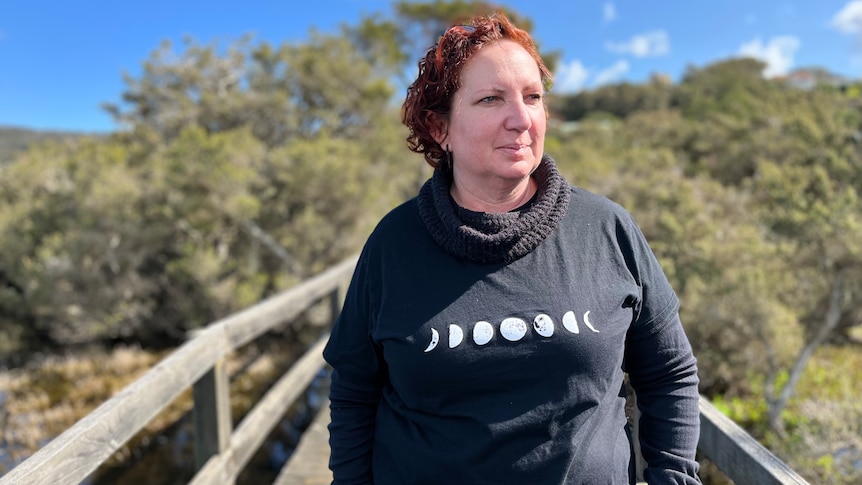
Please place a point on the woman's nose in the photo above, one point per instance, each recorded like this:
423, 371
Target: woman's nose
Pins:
518, 117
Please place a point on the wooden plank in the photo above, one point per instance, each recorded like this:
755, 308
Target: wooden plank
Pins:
246, 325
737, 454
309, 463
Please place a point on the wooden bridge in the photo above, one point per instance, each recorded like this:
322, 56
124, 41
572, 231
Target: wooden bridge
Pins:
223, 451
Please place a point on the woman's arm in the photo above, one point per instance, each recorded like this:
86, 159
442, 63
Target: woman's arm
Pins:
357, 380
351, 431
663, 372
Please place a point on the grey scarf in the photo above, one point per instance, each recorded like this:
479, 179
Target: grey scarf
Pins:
494, 237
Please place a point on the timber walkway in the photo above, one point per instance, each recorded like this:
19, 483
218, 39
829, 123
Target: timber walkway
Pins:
309, 463
222, 451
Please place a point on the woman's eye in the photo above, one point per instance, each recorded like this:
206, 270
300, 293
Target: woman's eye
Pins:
534, 97
488, 99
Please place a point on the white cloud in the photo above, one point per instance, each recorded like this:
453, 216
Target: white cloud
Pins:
649, 44
571, 77
777, 53
612, 74
609, 12
849, 19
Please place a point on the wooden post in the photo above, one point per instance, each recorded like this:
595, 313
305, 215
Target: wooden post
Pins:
212, 415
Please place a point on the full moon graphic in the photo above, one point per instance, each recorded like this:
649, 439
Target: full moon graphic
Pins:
513, 329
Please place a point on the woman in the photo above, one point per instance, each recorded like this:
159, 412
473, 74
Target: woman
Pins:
490, 320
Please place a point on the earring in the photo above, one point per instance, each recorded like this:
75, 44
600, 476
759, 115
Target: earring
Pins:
448, 158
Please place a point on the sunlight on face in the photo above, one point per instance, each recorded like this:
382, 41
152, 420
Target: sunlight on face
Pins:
496, 130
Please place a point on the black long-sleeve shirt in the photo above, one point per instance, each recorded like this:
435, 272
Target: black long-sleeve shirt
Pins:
449, 371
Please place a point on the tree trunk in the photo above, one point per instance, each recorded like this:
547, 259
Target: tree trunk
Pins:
776, 404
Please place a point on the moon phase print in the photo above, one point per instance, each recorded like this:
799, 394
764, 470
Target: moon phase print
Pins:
512, 329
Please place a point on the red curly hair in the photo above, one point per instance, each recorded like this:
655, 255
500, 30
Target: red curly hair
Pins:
429, 98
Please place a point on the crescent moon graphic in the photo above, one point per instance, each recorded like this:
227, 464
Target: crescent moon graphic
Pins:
570, 322
543, 325
587, 322
435, 337
456, 335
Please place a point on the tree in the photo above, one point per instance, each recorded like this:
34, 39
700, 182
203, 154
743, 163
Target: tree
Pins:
620, 100
241, 171
294, 91
425, 22
813, 202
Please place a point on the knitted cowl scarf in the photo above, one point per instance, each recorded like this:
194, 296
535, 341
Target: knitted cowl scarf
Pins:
494, 237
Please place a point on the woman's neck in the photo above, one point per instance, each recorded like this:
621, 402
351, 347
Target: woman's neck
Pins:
487, 199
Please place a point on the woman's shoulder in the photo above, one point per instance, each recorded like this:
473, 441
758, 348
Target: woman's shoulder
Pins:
403, 214
399, 222
584, 203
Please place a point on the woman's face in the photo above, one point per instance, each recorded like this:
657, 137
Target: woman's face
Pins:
496, 128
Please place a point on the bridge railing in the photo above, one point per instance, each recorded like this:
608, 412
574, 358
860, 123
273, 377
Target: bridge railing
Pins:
737, 454
200, 363
222, 452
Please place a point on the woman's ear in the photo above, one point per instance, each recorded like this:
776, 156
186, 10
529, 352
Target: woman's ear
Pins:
438, 127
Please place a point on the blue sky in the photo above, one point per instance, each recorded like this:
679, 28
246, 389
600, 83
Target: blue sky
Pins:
60, 60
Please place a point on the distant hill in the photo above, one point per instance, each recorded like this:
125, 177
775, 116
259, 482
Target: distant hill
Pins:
14, 140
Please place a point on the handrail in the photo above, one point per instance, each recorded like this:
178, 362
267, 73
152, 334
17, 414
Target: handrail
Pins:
737, 454
222, 452
77, 452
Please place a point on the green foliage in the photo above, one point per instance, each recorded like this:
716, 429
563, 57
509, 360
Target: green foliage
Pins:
110, 243
823, 423
619, 100
423, 22
748, 413
280, 94
15, 140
